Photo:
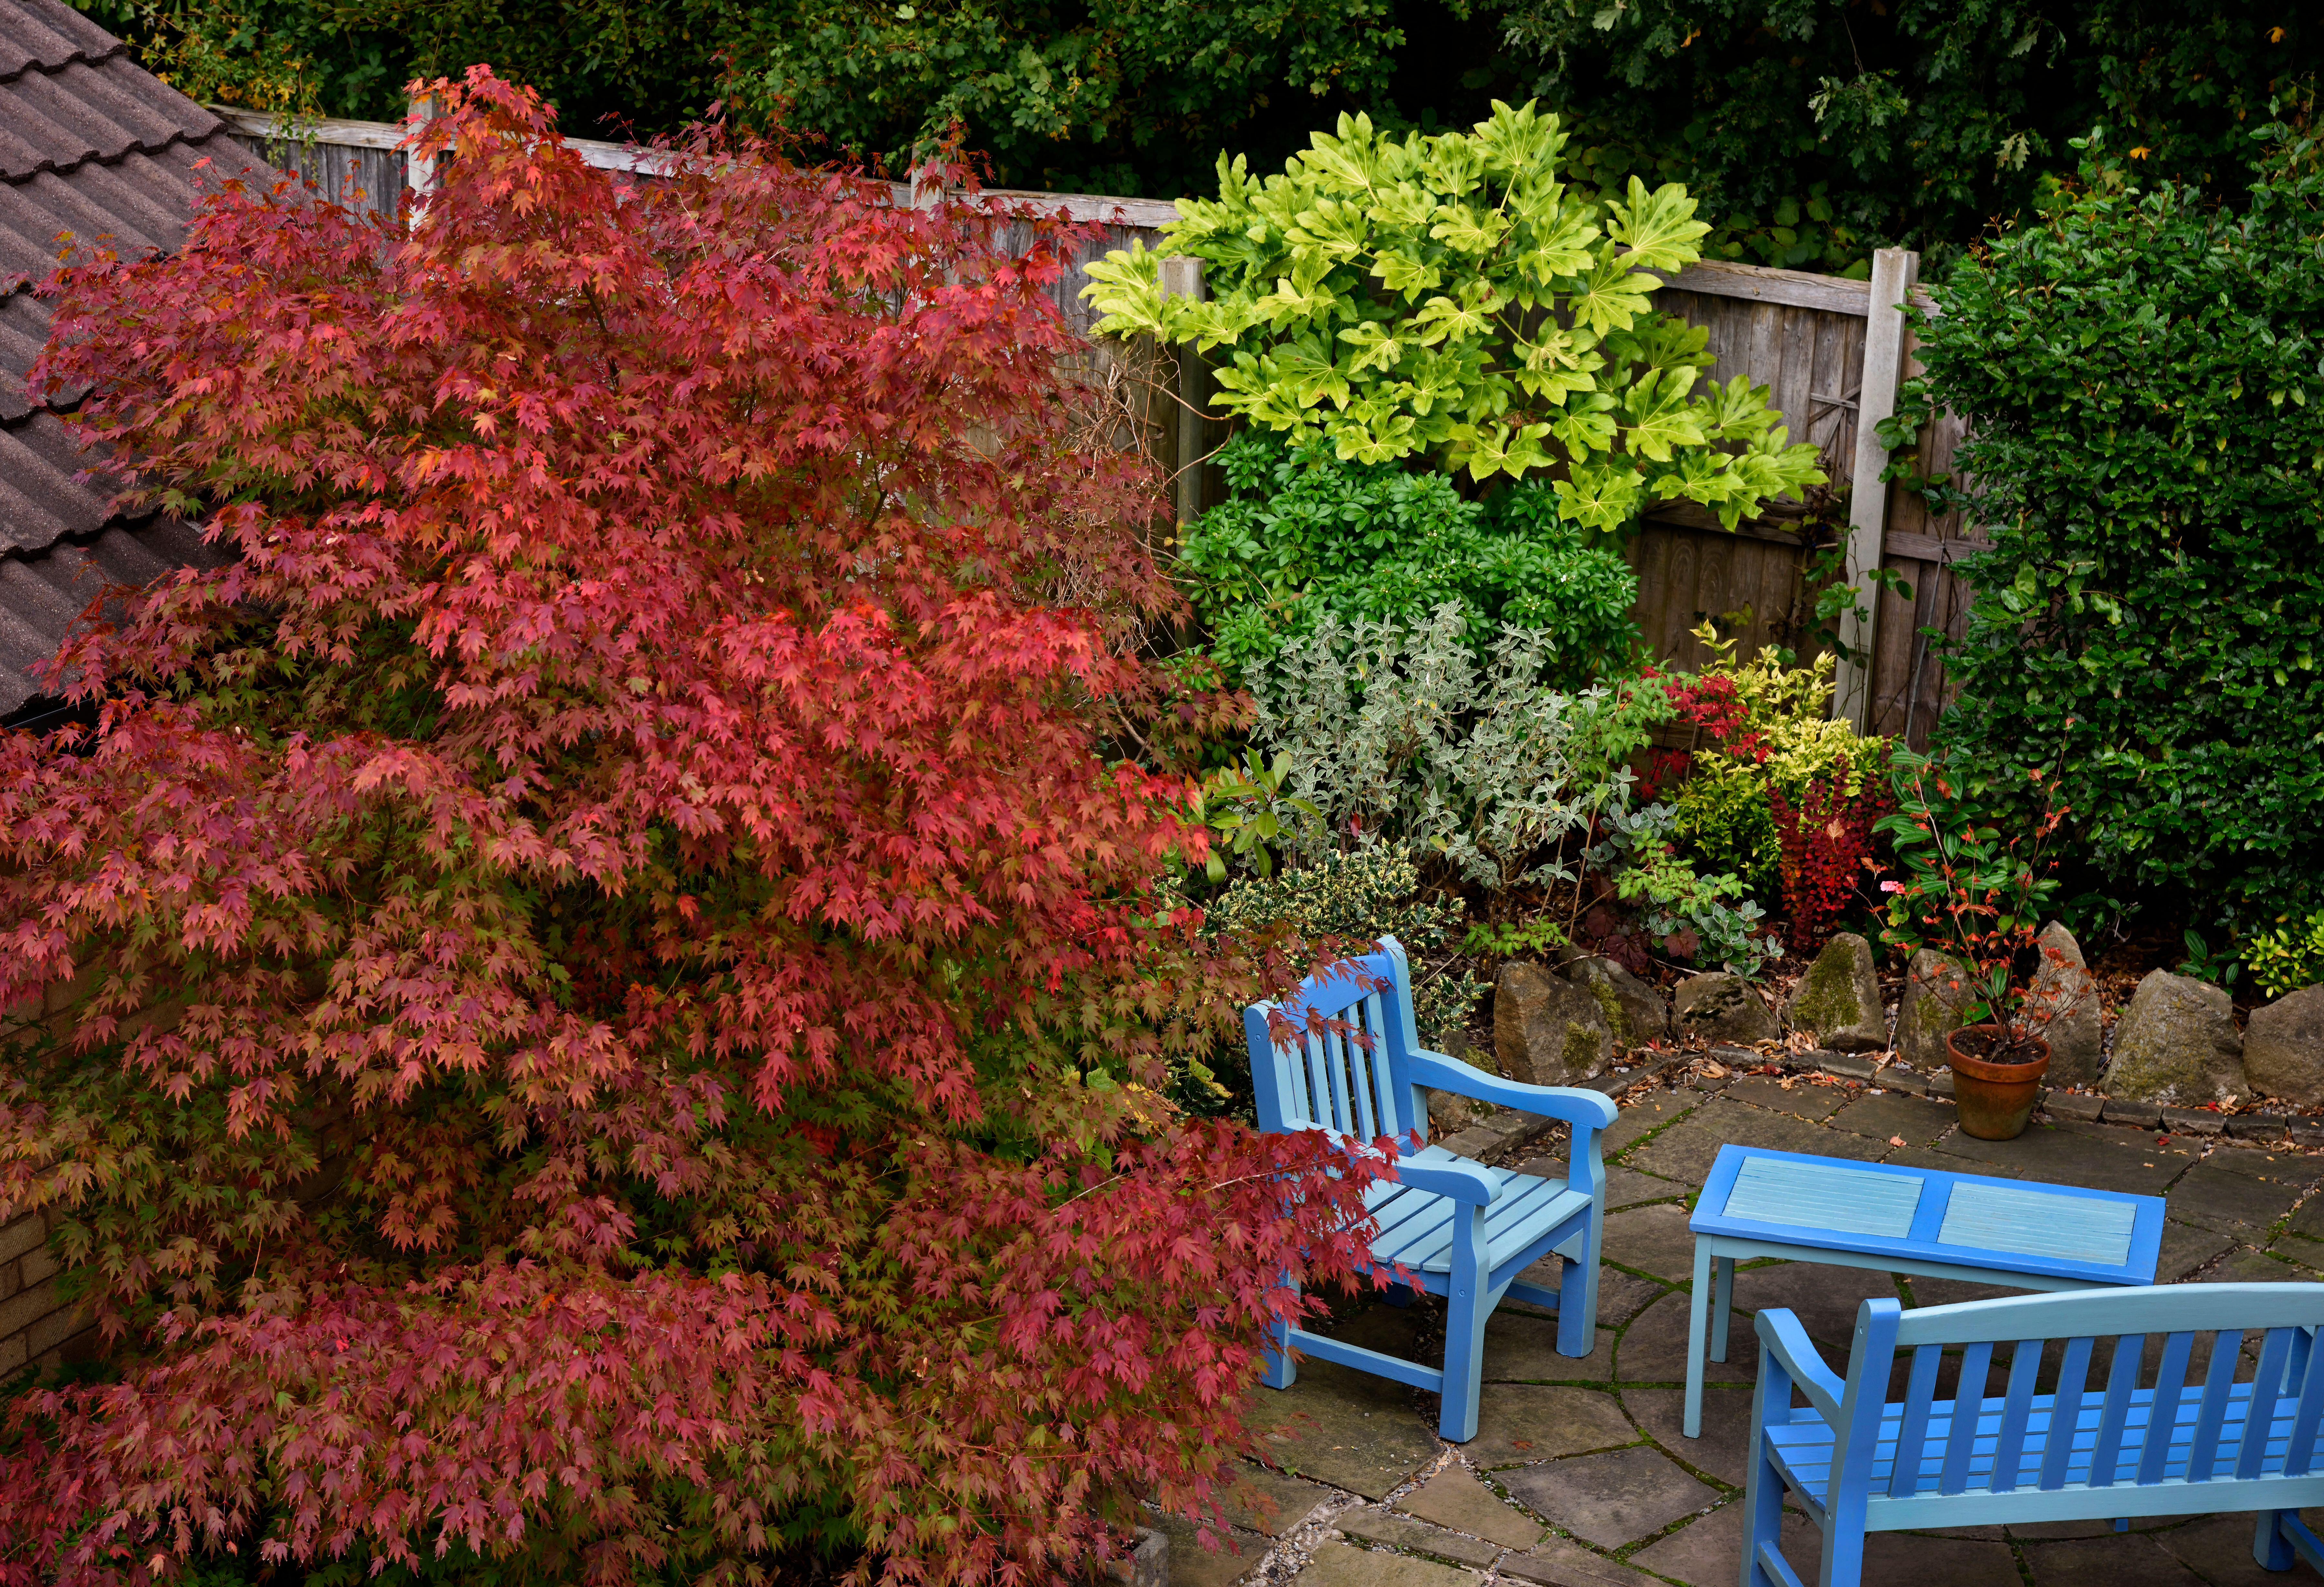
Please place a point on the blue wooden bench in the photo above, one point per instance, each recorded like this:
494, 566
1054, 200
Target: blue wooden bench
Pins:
1462, 1230
2108, 1439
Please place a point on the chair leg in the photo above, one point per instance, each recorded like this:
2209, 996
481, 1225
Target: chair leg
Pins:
1763, 1503
1465, 1310
2270, 1546
1276, 1369
1577, 1293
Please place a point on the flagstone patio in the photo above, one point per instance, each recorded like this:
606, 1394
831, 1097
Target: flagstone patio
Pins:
1579, 1476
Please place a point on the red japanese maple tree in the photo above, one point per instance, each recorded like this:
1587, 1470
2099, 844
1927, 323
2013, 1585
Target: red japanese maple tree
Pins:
594, 997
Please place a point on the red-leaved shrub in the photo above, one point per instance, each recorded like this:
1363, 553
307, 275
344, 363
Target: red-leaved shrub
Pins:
613, 979
1827, 839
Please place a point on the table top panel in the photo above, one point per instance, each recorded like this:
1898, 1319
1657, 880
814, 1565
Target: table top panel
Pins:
1969, 1220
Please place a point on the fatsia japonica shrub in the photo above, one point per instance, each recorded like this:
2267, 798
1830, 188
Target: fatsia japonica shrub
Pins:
593, 1001
1448, 299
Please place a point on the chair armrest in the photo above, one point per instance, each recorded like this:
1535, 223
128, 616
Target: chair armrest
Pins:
1782, 1337
1589, 1108
1470, 1183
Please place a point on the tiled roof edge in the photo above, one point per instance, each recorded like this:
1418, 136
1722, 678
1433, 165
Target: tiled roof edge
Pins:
51, 167
86, 57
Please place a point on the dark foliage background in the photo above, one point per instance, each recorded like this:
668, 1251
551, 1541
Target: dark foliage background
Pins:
1813, 130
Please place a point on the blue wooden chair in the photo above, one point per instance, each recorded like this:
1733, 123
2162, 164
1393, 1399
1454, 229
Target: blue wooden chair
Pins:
1462, 1230
2106, 1441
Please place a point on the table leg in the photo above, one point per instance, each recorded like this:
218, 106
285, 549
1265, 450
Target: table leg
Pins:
1722, 1304
1698, 1320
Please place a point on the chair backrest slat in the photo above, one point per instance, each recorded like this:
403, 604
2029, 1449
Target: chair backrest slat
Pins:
1913, 1430
2016, 1412
2266, 1394
1346, 1080
2299, 1458
1360, 1050
1968, 1405
2122, 1384
2066, 1411
2211, 1417
2162, 1415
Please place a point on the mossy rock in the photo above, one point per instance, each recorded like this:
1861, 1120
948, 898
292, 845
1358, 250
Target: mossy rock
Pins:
1635, 1012
1838, 998
1546, 1030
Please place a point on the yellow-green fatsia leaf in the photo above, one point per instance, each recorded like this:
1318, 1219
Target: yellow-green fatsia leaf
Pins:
1658, 228
1609, 298
1337, 228
1375, 347
1406, 207
1349, 161
1657, 415
1441, 318
1451, 165
1468, 229
1382, 441
1583, 429
1561, 251
1126, 289
1303, 367
1403, 273
1517, 143
1598, 496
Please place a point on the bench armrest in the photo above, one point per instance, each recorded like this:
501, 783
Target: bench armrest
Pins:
1585, 1109
1782, 1338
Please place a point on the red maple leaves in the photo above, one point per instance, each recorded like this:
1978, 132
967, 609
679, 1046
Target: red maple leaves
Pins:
604, 962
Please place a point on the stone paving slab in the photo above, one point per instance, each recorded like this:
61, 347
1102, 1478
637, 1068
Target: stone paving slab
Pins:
2225, 1202
1687, 1149
1724, 1449
1337, 1565
1393, 1531
1192, 1566
1799, 1098
1894, 1115
1452, 1498
2131, 1560
1346, 1428
1610, 1500
1518, 1424
1521, 1347
1625, 1187
1556, 1562
1653, 1349
2054, 1156
1269, 1503
1652, 1240
1644, 1117
1708, 1553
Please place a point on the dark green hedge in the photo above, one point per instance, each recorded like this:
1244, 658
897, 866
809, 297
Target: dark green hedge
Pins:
2142, 379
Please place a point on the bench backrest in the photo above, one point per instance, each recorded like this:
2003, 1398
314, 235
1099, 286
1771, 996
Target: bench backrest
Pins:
2104, 1339
1347, 1081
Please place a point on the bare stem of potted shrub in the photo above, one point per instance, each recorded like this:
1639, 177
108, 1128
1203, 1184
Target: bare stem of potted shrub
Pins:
1976, 898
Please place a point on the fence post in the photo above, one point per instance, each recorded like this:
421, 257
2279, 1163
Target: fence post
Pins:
1894, 272
419, 171
1182, 277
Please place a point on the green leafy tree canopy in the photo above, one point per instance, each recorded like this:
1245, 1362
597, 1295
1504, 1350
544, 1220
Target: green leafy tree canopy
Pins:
1449, 296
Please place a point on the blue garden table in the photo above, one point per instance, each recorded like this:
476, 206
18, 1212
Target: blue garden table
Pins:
1892, 1219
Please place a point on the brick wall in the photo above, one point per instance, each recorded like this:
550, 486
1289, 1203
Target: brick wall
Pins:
35, 1325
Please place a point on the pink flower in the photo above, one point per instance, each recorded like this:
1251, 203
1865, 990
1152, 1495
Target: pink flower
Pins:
1892, 887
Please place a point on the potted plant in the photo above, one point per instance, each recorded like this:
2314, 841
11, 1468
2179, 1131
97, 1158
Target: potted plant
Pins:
1977, 898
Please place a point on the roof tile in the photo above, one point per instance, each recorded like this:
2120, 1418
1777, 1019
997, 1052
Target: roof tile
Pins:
46, 34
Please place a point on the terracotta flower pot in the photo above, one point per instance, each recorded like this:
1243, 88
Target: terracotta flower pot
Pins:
1994, 1100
